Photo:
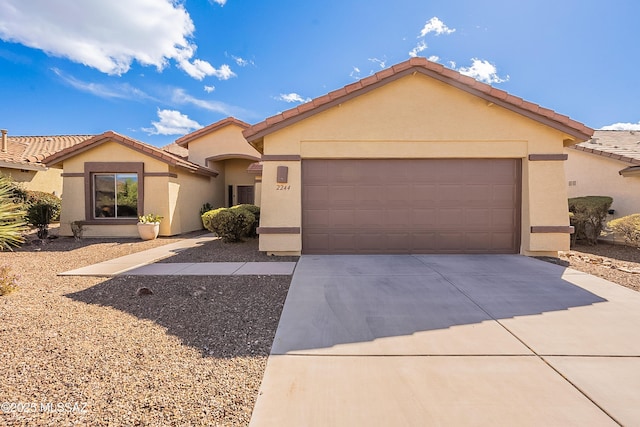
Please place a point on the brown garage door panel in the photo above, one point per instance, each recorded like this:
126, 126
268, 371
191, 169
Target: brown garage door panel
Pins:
411, 206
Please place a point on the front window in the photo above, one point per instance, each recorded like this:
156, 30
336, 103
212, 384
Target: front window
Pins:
115, 195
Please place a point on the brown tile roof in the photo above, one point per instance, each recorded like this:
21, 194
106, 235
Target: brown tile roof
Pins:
147, 149
27, 152
179, 151
255, 168
499, 97
623, 145
184, 141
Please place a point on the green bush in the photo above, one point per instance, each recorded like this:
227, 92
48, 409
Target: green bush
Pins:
12, 223
628, 226
230, 224
588, 217
8, 281
255, 210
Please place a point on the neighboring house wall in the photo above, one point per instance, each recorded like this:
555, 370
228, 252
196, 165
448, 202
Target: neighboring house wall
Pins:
416, 117
597, 175
48, 181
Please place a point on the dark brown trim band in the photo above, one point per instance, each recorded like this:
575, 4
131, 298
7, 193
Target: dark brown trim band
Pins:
155, 174
567, 229
547, 157
72, 175
281, 157
278, 230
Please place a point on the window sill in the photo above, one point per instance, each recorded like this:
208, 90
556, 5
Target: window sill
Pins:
113, 221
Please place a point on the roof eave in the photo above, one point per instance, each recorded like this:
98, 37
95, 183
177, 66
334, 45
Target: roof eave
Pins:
255, 134
24, 166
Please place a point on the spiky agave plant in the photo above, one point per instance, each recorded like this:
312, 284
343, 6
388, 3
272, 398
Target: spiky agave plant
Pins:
12, 223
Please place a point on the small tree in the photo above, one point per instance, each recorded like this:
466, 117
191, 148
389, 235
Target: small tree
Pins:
629, 227
12, 224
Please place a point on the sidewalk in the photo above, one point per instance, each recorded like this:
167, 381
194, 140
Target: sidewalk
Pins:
145, 263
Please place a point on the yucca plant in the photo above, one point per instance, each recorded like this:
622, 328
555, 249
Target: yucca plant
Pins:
12, 223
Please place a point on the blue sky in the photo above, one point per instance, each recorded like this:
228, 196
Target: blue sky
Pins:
158, 69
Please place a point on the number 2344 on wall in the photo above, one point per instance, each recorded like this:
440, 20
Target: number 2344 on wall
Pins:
283, 187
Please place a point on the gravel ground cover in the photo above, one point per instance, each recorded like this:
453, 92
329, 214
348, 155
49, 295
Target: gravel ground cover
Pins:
617, 263
93, 352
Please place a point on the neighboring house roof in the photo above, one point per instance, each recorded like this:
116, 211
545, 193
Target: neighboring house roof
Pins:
622, 145
147, 149
184, 141
27, 152
255, 133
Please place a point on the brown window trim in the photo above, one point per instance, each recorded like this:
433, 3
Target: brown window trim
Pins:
91, 168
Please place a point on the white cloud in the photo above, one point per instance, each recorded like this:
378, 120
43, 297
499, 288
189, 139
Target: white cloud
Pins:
220, 2
113, 91
107, 35
422, 45
291, 97
622, 126
181, 97
483, 71
172, 122
434, 58
209, 89
435, 25
355, 73
241, 62
452, 64
199, 69
381, 62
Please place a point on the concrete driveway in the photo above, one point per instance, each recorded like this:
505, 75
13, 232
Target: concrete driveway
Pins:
451, 340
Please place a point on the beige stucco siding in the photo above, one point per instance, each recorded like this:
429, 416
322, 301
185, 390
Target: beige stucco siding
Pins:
596, 175
419, 117
177, 199
227, 142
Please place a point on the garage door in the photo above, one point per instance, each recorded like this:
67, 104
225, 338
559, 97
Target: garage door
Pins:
411, 206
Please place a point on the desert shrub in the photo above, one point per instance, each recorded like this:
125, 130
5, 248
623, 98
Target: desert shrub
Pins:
230, 224
12, 224
42, 208
40, 197
255, 210
8, 281
588, 217
628, 226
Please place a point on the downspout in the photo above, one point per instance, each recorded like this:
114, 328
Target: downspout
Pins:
4, 140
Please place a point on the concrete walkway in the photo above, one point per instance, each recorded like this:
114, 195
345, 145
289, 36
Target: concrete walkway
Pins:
145, 263
451, 340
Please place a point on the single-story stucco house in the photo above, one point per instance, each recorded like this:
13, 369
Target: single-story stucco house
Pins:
415, 158
21, 160
607, 165
111, 179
